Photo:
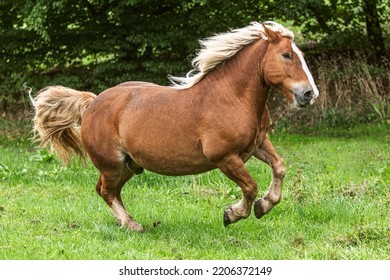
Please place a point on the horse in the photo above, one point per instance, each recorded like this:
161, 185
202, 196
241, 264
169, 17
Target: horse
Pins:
215, 117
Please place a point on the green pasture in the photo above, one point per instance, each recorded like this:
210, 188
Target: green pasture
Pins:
336, 204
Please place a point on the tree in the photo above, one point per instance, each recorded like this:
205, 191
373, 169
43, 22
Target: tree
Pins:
374, 30
341, 25
112, 40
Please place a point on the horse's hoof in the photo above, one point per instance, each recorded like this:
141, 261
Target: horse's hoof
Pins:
226, 220
257, 207
134, 226
139, 228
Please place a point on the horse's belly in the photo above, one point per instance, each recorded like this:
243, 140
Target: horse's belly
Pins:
167, 151
179, 170
174, 164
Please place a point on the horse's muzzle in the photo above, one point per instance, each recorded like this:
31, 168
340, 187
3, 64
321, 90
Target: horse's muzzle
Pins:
304, 98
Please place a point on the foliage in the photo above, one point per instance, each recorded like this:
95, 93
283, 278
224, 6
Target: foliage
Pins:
334, 22
124, 40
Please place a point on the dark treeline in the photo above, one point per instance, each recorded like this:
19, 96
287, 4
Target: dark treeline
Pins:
96, 44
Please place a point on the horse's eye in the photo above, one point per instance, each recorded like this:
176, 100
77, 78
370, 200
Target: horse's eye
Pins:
287, 55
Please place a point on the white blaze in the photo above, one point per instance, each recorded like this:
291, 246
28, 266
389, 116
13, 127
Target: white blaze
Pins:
306, 69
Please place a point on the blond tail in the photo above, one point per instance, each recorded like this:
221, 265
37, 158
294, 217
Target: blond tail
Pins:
57, 120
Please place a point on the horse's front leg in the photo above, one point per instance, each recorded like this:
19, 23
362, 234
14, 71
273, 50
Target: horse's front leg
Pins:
234, 168
267, 153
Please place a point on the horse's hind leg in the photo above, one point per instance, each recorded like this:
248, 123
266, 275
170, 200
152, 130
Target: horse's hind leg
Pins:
109, 188
267, 153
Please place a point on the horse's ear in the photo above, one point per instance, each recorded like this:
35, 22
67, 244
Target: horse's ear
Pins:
272, 36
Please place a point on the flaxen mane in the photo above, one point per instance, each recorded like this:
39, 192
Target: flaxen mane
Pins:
221, 47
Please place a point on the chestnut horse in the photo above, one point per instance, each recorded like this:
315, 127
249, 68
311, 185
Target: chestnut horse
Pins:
215, 117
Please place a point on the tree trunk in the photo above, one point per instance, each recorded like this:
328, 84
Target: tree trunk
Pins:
374, 31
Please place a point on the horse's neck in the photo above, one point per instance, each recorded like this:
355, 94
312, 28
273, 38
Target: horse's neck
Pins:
240, 76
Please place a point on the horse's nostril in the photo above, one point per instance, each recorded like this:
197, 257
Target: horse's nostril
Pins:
308, 94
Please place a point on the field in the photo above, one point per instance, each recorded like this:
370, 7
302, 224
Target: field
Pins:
336, 204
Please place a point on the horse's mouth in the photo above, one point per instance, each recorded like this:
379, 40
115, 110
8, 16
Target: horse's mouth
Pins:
301, 102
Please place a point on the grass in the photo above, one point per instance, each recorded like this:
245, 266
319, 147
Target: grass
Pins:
336, 205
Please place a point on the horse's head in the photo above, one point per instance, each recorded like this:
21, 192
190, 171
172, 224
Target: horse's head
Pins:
285, 68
